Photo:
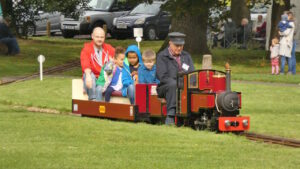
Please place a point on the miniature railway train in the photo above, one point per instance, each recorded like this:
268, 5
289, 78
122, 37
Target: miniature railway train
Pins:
204, 101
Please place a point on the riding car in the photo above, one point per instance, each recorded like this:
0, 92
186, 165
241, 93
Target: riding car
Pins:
154, 21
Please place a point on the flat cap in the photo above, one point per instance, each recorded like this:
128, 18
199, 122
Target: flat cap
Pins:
177, 38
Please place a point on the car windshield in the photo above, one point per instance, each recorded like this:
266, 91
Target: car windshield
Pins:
100, 4
146, 8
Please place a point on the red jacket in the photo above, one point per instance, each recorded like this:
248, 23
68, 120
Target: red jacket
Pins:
88, 57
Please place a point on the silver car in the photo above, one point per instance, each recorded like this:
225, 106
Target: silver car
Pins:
98, 13
55, 19
38, 26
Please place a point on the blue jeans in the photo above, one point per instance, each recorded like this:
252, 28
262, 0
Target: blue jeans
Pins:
293, 59
12, 45
94, 93
108, 93
130, 93
283, 59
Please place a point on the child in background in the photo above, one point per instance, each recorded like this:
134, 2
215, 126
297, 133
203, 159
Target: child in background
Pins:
130, 71
110, 77
284, 24
147, 71
274, 49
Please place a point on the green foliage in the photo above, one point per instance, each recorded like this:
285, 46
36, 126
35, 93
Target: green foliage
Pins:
23, 12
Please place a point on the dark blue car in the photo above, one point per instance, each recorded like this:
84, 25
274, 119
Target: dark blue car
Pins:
154, 21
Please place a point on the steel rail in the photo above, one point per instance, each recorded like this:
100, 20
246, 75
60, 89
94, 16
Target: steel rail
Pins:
49, 71
272, 139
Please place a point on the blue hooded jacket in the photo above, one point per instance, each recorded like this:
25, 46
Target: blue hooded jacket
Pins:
284, 24
147, 76
126, 74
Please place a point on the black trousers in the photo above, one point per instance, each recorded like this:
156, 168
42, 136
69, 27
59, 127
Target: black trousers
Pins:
168, 91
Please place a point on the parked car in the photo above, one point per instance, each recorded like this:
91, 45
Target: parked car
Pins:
154, 21
258, 10
98, 13
38, 26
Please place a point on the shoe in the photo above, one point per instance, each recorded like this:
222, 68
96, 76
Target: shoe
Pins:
170, 120
289, 73
281, 73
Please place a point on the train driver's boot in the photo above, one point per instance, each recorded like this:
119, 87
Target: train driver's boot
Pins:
170, 120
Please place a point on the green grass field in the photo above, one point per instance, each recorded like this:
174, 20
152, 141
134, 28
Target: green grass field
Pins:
273, 109
35, 140
40, 140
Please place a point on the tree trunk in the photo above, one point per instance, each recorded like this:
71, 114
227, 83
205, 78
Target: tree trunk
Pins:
195, 28
239, 10
277, 11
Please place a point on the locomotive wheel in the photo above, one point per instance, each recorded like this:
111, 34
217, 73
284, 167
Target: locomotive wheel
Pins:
214, 123
155, 120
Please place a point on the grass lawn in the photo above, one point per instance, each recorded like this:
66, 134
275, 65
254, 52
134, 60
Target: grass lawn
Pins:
273, 109
35, 140
248, 65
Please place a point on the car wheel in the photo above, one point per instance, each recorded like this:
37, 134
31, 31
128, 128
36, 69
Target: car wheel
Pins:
68, 34
120, 36
150, 33
97, 24
162, 36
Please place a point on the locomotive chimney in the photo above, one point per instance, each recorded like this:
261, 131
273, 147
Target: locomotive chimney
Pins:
228, 77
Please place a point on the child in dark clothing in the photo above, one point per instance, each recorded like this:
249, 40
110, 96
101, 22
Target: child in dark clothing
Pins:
111, 76
284, 24
147, 71
130, 71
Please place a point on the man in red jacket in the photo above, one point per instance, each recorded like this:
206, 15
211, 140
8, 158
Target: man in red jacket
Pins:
93, 56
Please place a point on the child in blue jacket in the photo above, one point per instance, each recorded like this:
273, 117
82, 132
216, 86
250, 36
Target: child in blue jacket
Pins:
147, 71
130, 71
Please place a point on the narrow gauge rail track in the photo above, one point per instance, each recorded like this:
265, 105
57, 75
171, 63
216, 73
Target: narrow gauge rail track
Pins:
55, 69
272, 139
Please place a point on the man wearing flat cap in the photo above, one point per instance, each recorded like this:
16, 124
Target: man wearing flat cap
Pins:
171, 61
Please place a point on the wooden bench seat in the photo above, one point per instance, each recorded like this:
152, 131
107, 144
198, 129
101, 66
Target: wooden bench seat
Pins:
79, 94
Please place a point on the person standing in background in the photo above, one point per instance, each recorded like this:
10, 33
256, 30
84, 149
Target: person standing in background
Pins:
286, 45
292, 69
274, 48
7, 38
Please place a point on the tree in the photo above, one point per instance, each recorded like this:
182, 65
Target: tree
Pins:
278, 8
239, 10
23, 12
191, 17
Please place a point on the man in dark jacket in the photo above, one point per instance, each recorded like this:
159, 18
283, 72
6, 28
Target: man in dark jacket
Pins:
171, 61
8, 39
